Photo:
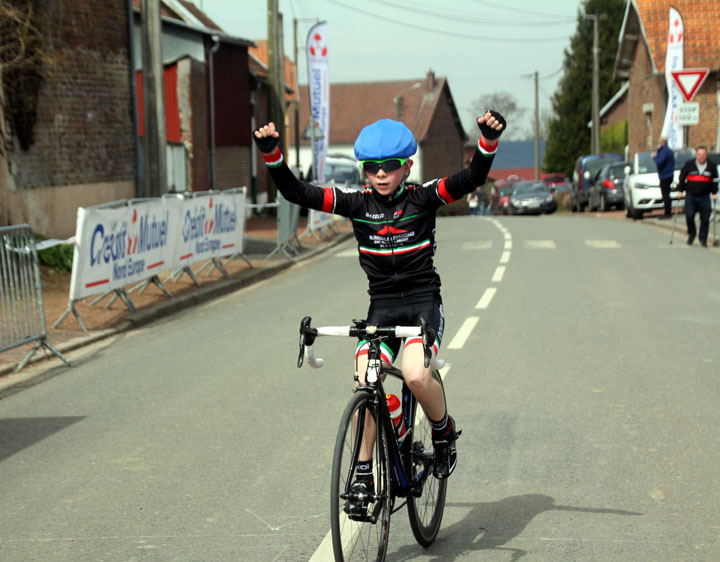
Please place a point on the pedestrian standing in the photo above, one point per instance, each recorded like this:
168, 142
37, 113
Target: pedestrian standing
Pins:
665, 163
700, 179
482, 200
476, 202
473, 202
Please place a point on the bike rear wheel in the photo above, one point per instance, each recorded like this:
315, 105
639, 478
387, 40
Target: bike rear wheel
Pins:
359, 538
426, 511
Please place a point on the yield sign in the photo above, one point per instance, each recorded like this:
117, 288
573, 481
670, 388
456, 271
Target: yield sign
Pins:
689, 80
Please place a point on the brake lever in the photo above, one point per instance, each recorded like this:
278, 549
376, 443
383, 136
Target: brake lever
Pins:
307, 337
428, 339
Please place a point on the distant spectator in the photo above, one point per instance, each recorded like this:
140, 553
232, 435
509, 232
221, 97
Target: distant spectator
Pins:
700, 180
476, 201
665, 162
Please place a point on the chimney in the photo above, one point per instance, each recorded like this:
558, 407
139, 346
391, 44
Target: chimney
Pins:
430, 80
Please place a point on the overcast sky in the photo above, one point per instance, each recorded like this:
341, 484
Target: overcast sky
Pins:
482, 47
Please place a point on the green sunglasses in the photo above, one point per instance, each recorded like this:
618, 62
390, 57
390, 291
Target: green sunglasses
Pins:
389, 165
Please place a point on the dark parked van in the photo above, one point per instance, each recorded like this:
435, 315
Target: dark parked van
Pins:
586, 167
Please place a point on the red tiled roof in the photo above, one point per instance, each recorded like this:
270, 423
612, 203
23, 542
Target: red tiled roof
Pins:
523, 173
355, 105
260, 52
701, 22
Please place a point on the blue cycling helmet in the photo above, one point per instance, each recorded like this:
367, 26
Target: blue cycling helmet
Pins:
385, 139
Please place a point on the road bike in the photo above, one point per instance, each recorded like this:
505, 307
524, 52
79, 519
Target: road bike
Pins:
400, 470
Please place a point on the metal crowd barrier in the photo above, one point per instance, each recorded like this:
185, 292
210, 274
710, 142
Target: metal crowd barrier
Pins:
22, 316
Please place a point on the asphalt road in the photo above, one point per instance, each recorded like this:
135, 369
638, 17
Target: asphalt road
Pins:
583, 370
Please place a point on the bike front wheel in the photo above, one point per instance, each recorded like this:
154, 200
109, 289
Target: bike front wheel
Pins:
426, 510
360, 537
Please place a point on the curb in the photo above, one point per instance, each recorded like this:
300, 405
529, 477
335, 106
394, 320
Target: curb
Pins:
164, 309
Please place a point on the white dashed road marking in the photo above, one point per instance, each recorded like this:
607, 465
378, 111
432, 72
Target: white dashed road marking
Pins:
488, 295
539, 245
463, 333
499, 274
476, 245
602, 244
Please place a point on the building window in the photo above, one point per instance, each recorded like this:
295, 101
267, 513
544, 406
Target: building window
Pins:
648, 112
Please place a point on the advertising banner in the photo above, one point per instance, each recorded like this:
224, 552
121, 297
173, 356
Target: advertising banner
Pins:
672, 129
319, 94
212, 225
122, 245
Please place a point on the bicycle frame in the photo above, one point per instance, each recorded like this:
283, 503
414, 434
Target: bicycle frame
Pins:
401, 484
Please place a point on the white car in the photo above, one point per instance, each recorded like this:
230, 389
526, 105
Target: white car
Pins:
642, 185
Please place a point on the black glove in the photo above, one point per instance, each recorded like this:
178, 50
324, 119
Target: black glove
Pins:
490, 133
265, 144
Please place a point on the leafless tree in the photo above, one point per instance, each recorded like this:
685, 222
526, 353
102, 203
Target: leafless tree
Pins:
506, 104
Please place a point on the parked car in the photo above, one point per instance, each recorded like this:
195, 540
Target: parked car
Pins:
642, 186
606, 190
500, 202
585, 169
559, 188
553, 179
531, 198
342, 169
714, 157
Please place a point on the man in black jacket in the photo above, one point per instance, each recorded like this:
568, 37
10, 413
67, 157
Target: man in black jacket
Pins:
700, 179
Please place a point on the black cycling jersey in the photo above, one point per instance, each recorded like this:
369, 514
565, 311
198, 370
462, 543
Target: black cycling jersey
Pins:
396, 234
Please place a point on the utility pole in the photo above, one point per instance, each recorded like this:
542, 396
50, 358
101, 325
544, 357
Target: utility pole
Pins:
595, 144
297, 105
276, 78
537, 130
154, 178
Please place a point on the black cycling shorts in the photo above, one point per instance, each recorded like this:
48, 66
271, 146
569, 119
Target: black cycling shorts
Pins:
404, 311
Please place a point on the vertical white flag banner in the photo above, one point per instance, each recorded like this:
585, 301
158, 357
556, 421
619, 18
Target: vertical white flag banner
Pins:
319, 93
673, 61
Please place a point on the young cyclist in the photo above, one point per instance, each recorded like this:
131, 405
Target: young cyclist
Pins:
394, 224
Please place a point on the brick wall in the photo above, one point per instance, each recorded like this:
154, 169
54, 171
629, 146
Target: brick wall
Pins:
618, 113
200, 154
232, 167
645, 88
84, 129
706, 131
442, 149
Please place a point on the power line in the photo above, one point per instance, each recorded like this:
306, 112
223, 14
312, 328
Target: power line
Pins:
469, 19
522, 10
450, 33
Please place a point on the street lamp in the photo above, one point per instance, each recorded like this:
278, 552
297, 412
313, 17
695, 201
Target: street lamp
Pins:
398, 99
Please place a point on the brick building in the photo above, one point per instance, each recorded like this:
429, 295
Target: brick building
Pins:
641, 61
80, 150
83, 147
189, 40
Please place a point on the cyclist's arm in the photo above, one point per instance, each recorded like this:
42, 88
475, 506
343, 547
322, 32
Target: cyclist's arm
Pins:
325, 199
455, 187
